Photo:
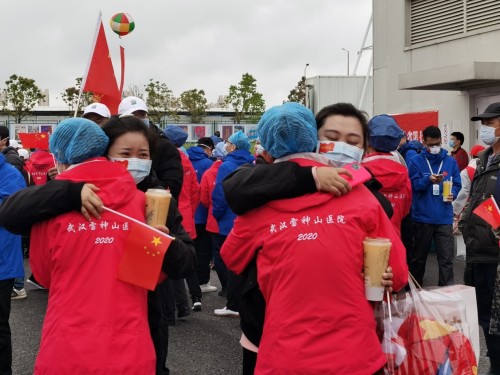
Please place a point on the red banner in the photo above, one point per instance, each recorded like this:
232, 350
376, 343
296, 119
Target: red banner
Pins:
413, 123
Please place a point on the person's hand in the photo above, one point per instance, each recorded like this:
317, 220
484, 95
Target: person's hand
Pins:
449, 199
436, 178
162, 228
91, 203
387, 279
52, 173
331, 181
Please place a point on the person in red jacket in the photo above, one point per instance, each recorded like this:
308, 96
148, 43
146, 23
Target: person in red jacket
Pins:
206, 188
384, 137
189, 198
94, 324
309, 256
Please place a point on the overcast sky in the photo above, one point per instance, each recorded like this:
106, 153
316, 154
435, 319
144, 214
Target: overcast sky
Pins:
187, 43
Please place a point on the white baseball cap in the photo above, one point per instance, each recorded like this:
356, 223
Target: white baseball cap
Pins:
14, 143
24, 153
131, 104
98, 108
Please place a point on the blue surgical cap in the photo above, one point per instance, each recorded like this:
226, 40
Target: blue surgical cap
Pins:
287, 129
240, 140
176, 135
384, 133
77, 139
219, 150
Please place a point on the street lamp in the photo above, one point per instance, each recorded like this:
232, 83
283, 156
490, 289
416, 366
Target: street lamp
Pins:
347, 59
305, 70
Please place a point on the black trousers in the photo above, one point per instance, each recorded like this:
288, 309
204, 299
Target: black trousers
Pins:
443, 239
484, 275
5, 336
203, 245
220, 267
158, 326
234, 289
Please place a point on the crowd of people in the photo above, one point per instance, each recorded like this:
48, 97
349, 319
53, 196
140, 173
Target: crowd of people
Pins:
283, 227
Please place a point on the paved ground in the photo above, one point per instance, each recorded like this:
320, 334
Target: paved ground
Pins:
202, 344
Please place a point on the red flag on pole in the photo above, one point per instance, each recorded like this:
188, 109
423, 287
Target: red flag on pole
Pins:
100, 78
489, 212
35, 140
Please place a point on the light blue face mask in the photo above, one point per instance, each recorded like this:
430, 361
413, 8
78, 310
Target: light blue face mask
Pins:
451, 143
138, 168
145, 120
487, 135
342, 153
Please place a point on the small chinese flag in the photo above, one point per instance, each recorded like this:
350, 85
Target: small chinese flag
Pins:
489, 212
100, 78
35, 140
143, 256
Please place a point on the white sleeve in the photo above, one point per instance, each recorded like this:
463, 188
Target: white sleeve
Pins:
463, 195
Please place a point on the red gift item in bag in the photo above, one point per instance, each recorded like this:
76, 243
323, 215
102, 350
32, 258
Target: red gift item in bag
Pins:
434, 348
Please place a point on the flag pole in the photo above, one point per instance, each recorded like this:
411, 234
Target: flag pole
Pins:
84, 79
137, 222
495, 202
122, 60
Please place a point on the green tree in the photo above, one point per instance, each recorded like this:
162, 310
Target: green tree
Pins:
247, 103
70, 97
195, 103
20, 96
298, 94
161, 101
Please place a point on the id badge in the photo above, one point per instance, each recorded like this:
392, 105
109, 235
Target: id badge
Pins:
435, 189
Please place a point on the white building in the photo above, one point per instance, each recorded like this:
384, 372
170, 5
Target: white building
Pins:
437, 55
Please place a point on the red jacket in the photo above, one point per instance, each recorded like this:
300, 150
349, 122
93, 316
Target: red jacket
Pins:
309, 261
207, 187
395, 180
39, 164
189, 198
461, 157
95, 324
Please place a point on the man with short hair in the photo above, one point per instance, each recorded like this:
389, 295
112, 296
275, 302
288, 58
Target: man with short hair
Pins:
431, 211
481, 246
457, 152
97, 112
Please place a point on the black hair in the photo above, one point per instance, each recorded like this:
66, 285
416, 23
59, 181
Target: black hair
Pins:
4, 132
431, 132
206, 141
347, 110
459, 136
115, 127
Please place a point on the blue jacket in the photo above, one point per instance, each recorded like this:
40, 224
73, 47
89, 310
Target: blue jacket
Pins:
11, 253
221, 211
201, 163
427, 207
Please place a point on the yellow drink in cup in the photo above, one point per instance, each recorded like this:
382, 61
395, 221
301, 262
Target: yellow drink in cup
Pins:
446, 190
157, 204
376, 259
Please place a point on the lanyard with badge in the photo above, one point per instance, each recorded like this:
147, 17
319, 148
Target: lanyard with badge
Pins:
435, 187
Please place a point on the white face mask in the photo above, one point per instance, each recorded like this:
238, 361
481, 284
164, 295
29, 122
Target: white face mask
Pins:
488, 135
340, 153
434, 150
138, 168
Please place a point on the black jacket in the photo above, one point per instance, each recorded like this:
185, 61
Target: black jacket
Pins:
480, 243
252, 186
13, 158
38, 203
167, 163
